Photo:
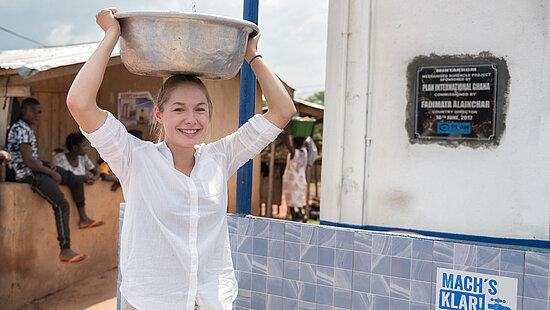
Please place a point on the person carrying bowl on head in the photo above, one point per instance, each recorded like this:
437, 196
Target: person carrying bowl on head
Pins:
175, 250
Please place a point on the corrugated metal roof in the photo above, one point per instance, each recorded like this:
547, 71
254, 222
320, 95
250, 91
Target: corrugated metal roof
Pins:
30, 61
311, 104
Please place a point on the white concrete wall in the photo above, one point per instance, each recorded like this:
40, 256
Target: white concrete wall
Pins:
344, 139
500, 191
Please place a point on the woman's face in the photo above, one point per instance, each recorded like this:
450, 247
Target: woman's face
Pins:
185, 116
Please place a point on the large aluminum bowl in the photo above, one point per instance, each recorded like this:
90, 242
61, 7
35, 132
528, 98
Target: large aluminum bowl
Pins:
167, 43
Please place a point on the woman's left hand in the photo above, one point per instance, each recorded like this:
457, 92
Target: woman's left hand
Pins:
252, 47
280, 105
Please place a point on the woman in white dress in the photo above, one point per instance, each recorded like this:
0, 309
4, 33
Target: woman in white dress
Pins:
175, 245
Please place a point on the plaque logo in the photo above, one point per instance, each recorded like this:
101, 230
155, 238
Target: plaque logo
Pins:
453, 128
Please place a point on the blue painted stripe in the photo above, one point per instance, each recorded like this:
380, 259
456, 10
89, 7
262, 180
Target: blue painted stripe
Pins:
247, 105
480, 239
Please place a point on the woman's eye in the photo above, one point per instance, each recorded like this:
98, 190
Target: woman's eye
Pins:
201, 110
178, 110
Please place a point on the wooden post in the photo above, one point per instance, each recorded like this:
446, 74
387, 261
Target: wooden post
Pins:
269, 203
316, 181
308, 180
5, 113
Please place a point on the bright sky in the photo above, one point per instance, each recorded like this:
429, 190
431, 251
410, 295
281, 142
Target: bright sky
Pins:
293, 39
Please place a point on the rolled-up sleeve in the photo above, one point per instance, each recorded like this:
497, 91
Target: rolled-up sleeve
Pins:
247, 142
113, 143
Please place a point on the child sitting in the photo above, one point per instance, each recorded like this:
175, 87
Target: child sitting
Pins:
76, 160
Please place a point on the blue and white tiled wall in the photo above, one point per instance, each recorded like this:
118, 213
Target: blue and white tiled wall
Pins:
288, 265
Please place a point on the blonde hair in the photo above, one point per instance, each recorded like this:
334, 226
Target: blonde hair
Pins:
157, 130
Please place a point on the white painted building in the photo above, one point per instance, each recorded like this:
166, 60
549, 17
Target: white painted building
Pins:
376, 176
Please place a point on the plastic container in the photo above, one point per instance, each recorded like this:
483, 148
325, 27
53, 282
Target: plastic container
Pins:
301, 126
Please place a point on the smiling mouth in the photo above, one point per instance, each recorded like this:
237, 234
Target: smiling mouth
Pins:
189, 131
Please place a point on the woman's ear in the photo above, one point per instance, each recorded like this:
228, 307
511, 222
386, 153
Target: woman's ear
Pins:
158, 114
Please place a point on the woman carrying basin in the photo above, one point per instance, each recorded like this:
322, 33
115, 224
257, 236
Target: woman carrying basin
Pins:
175, 246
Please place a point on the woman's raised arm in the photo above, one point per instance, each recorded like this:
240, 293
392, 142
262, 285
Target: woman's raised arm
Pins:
81, 99
280, 107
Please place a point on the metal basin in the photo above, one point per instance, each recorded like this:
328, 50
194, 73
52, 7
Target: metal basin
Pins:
167, 43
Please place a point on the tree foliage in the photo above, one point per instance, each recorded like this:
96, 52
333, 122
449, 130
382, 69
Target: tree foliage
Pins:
318, 97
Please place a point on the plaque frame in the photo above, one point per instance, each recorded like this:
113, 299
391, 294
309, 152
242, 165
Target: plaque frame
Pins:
495, 85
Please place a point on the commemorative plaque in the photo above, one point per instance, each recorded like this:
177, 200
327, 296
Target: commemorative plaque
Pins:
456, 102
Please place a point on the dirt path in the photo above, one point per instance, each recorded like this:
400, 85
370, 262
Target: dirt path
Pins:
280, 211
97, 293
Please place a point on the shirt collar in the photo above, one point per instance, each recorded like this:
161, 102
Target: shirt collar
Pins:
23, 123
165, 151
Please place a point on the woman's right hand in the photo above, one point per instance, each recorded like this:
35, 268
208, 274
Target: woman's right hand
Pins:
82, 96
106, 20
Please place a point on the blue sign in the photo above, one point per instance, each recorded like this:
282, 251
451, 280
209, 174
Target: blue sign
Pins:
463, 290
453, 128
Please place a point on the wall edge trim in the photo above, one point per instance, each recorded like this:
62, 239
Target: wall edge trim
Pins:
529, 243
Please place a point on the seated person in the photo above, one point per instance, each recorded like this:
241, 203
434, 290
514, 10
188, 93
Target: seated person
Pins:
76, 160
45, 178
107, 174
105, 171
137, 133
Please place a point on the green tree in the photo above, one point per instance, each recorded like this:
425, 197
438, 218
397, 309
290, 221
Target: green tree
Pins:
318, 97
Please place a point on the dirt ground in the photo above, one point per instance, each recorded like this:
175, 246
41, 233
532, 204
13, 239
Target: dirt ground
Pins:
281, 211
97, 293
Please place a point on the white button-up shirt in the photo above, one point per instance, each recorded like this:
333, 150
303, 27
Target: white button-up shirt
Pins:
174, 248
